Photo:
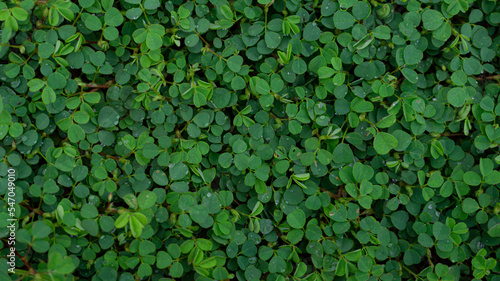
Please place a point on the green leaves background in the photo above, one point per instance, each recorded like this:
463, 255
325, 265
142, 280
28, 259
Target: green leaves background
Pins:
251, 140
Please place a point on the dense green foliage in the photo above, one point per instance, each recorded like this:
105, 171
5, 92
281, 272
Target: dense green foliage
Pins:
250, 140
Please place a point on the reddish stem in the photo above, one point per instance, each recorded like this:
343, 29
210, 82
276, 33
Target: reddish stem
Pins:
494, 77
25, 261
331, 194
37, 211
208, 45
109, 156
105, 85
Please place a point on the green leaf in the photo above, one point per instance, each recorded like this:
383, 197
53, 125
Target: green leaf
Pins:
432, 19
441, 231
56, 81
108, 117
311, 32
343, 20
151, 4
146, 247
93, 23
178, 171
296, 219
199, 99
208, 263
48, 95
53, 16
226, 11
412, 55
234, 63
40, 230
494, 231
19, 13
457, 97
239, 146
220, 140
382, 32
12, 70
365, 264
135, 226
425, 240
146, 199
89, 211
122, 220
113, 17
98, 58
272, 39
191, 40
384, 143
65, 163
153, 41
471, 178
150, 150
399, 219
202, 119
325, 72
163, 259
459, 78
470, 205
342, 154
410, 74
277, 265
176, 270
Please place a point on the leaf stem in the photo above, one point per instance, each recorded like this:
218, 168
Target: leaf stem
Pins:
207, 45
331, 194
11, 46
25, 261
494, 77
105, 85
412, 273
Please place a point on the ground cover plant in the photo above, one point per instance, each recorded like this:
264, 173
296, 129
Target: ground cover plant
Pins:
249, 140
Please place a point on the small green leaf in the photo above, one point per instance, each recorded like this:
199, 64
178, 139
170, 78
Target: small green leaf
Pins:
384, 143
108, 117
296, 219
343, 20
226, 11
